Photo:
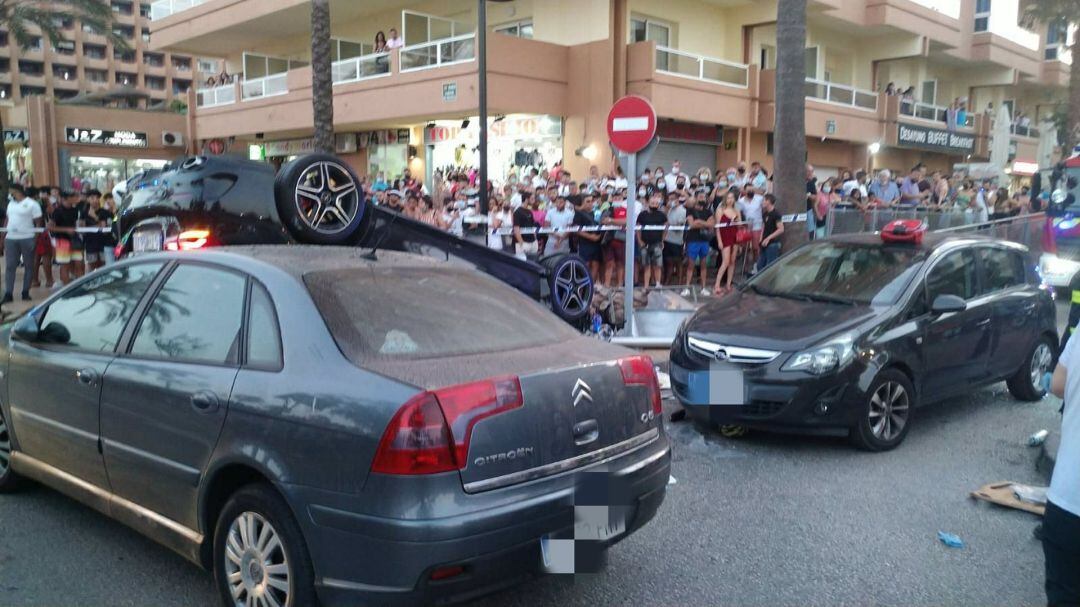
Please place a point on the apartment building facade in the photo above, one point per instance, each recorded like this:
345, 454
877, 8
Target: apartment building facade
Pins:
555, 67
85, 66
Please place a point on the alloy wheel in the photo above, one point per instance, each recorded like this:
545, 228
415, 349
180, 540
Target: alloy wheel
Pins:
1041, 360
889, 408
256, 566
327, 198
5, 446
573, 287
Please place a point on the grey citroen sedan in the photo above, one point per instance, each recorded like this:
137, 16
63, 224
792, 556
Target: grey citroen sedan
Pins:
314, 426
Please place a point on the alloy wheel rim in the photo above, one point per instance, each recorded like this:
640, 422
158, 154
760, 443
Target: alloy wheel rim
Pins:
573, 287
327, 199
889, 408
1041, 360
256, 566
5, 446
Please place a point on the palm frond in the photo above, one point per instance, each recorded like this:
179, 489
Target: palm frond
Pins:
1049, 11
96, 15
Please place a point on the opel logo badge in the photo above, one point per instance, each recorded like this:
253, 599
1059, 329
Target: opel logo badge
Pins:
721, 354
581, 392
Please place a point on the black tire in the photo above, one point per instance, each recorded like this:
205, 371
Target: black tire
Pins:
9, 481
1026, 383
319, 200
261, 501
883, 409
570, 286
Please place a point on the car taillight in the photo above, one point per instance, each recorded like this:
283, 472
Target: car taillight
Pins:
431, 432
639, 371
118, 252
188, 240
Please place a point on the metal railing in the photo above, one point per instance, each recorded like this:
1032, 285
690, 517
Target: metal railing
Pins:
926, 111
218, 95
363, 67
1024, 131
700, 67
841, 94
164, 8
437, 53
267, 86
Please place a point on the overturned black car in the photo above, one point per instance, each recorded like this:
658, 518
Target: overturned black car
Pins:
199, 201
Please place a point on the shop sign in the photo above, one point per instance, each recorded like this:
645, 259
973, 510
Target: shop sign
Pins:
830, 127
344, 143
449, 91
15, 136
510, 128
938, 140
685, 131
1023, 167
383, 137
114, 139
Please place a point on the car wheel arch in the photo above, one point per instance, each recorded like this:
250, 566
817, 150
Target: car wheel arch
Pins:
218, 486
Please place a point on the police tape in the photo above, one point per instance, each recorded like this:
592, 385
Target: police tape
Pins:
40, 230
794, 218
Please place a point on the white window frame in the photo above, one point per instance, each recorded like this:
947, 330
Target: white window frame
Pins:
1052, 50
647, 20
922, 92
266, 58
767, 56
982, 15
819, 60
513, 28
454, 26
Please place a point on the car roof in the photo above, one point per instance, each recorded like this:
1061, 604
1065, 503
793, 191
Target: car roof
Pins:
931, 240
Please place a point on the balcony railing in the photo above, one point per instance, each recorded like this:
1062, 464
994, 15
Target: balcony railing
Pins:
354, 69
925, 111
700, 67
1024, 131
267, 86
436, 53
213, 97
841, 94
164, 8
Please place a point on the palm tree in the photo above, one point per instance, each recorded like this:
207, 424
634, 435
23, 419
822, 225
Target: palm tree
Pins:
1052, 13
322, 81
18, 16
789, 132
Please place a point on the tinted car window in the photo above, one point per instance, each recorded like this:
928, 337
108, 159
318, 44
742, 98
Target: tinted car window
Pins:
95, 312
195, 317
264, 341
953, 275
862, 273
399, 313
1002, 269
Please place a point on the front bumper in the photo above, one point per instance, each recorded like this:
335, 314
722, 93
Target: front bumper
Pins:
495, 536
774, 399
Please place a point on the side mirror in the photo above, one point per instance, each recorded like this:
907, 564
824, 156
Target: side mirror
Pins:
54, 333
26, 329
948, 303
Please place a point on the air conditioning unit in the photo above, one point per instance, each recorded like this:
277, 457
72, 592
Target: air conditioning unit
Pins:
172, 138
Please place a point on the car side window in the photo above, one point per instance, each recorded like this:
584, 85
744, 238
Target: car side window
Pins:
95, 312
918, 303
955, 274
1002, 269
195, 317
263, 336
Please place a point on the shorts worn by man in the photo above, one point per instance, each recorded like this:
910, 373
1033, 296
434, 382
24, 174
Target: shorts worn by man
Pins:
1061, 523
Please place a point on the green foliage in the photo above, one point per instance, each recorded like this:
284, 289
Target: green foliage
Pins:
19, 15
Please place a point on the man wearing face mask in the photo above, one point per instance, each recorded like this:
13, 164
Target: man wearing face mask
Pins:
741, 178
672, 178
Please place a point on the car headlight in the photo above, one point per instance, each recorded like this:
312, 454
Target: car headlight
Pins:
830, 355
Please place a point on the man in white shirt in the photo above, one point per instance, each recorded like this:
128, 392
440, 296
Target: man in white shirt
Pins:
671, 179
23, 215
559, 218
394, 41
1061, 523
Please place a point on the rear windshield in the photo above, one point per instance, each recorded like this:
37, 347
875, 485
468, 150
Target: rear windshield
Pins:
401, 313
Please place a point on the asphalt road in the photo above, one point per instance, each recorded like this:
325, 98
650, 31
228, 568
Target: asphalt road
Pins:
763, 520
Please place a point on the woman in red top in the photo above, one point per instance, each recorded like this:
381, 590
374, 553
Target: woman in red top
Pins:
727, 220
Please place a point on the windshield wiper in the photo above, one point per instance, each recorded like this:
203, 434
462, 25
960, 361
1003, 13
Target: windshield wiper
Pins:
827, 298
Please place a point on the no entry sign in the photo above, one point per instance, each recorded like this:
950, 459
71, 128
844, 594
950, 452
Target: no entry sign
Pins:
631, 124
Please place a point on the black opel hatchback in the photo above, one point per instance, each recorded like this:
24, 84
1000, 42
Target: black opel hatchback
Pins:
851, 334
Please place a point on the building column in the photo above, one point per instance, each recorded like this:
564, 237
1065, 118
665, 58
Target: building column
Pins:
620, 19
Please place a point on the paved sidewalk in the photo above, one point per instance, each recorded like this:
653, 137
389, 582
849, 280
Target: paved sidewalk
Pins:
17, 307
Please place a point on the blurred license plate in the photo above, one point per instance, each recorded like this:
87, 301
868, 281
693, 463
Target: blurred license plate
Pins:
726, 387
146, 240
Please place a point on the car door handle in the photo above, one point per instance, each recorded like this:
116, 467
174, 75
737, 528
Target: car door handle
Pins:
586, 432
205, 402
983, 322
87, 377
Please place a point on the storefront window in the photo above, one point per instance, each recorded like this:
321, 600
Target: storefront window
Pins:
518, 143
102, 173
390, 158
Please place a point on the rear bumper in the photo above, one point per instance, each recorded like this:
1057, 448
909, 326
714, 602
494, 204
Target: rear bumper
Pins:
361, 558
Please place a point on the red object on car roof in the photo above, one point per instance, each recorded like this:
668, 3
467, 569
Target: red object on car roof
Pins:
904, 230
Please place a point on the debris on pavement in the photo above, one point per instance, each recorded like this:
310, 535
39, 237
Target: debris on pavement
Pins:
950, 540
1038, 438
671, 480
1030, 495
1004, 493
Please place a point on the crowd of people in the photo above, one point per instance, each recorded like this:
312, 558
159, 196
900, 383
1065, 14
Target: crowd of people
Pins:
692, 225
43, 230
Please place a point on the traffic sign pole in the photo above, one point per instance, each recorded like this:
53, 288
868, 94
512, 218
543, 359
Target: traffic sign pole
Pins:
631, 243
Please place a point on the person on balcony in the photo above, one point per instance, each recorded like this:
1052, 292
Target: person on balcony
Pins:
380, 43
395, 41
